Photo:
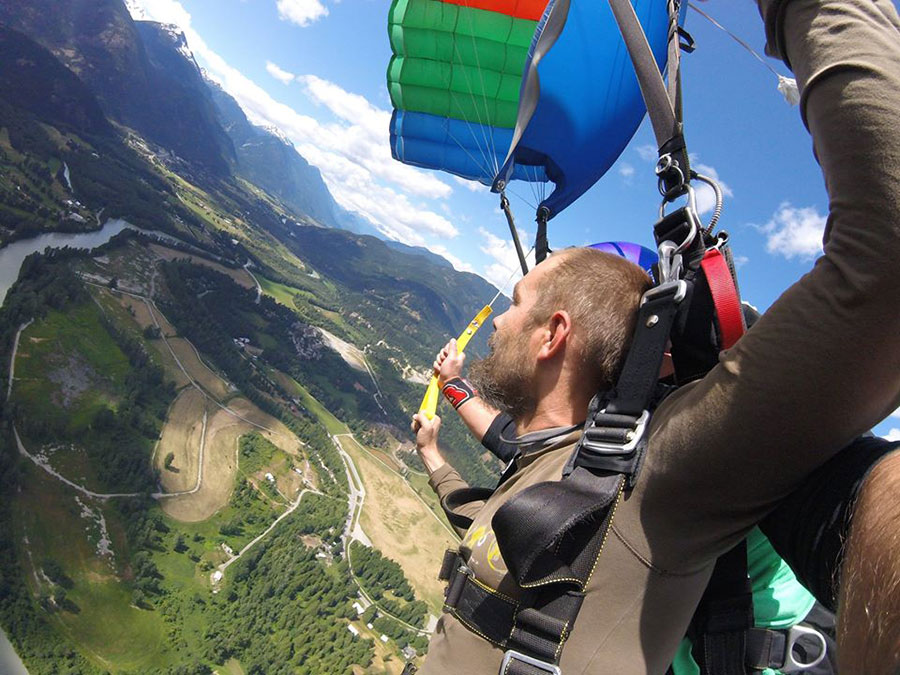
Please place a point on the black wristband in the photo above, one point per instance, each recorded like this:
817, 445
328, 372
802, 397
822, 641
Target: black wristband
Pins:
457, 391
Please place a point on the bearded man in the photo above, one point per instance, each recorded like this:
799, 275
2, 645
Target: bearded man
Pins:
820, 368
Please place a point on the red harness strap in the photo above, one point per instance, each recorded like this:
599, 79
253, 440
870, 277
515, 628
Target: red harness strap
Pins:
725, 297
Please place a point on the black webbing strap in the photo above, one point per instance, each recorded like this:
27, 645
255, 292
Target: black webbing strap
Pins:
452, 502
532, 629
663, 106
514, 233
541, 245
613, 437
766, 648
724, 617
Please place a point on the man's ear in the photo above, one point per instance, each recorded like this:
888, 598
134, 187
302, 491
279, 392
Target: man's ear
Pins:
559, 328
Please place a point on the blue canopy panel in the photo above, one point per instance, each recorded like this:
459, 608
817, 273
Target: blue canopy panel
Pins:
462, 148
580, 102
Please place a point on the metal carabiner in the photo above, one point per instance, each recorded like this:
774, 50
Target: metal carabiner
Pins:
670, 264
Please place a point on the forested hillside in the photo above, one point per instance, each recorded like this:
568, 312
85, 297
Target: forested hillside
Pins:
204, 451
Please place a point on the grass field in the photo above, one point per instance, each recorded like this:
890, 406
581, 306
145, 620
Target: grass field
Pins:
331, 423
401, 526
202, 374
181, 436
104, 625
220, 465
68, 368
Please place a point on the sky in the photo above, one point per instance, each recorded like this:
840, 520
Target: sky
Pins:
316, 71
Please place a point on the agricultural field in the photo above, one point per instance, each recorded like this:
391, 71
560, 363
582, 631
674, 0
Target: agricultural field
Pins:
400, 524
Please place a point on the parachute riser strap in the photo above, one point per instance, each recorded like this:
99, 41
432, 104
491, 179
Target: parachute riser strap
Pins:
614, 436
541, 245
507, 211
663, 106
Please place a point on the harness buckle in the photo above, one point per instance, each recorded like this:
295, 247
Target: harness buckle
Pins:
512, 656
678, 288
791, 665
632, 437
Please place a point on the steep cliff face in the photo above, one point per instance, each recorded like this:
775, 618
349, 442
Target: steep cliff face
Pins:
98, 41
32, 80
272, 163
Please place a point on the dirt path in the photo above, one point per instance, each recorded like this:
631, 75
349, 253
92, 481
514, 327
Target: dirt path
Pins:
293, 507
12, 361
49, 469
255, 280
394, 471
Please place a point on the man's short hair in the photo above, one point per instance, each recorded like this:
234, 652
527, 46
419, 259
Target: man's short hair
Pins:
602, 294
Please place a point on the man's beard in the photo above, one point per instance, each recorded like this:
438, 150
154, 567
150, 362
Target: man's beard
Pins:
505, 378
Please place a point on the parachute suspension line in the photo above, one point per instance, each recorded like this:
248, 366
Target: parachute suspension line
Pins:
486, 148
541, 246
490, 141
483, 164
504, 205
786, 85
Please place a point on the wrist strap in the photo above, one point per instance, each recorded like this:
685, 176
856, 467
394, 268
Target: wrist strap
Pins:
457, 391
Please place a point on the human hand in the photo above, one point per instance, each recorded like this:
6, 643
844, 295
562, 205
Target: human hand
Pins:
448, 363
426, 431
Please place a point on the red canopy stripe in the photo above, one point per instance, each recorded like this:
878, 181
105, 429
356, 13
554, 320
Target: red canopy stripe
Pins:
520, 9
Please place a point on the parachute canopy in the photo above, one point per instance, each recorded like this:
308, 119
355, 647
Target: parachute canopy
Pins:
500, 90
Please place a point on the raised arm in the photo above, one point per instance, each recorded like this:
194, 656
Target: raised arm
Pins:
442, 478
823, 364
471, 408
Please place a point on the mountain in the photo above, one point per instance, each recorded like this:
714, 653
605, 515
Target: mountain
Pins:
32, 79
272, 163
99, 42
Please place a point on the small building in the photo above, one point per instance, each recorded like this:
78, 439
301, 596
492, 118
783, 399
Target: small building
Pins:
383, 638
270, 478
369, 626
358, 607
353, 629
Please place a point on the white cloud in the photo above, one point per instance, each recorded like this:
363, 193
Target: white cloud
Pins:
896, 413
706, 196
740, 261
893, 435
472, 185
505, 260
456, 262
353, 153
626, 170
279, 74
301, 12
648, 153
794, 232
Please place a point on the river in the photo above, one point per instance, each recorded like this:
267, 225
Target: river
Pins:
11, 256
10, 663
